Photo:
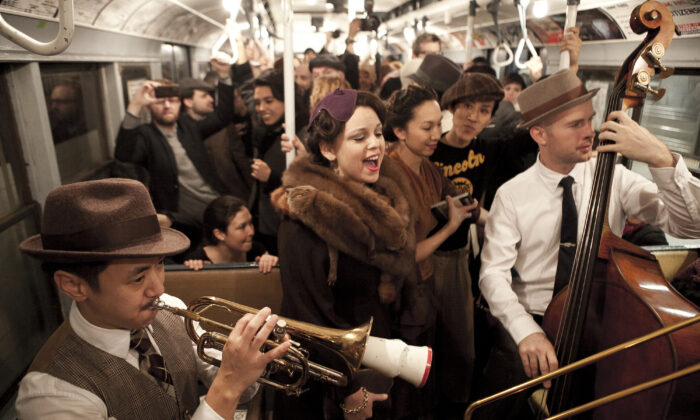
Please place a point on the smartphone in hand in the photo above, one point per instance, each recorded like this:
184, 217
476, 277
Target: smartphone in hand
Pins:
440, 209
167, 91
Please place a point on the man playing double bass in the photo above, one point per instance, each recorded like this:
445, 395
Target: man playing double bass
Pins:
524, 230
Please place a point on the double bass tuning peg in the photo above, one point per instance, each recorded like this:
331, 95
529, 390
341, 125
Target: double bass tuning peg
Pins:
641, 85
653, 55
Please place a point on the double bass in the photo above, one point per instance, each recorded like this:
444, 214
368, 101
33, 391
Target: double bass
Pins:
617, 290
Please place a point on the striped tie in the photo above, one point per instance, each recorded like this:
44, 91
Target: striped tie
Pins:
151, 363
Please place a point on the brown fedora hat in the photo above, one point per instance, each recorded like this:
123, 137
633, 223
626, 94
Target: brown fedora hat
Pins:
102, 220
552, 95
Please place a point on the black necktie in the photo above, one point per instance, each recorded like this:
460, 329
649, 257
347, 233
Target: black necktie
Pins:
569, 228
151, 363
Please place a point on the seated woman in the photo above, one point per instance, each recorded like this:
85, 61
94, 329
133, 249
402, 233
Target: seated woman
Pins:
228, 235
347, 221
413, 120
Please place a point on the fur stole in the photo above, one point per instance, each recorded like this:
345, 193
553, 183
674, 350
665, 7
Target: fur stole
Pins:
373, 224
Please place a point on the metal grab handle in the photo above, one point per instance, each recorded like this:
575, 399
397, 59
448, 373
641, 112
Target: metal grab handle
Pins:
519, 51
509, 55
522, 6
66, 29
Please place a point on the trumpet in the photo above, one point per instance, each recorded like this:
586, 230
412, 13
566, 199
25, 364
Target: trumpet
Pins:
347, 345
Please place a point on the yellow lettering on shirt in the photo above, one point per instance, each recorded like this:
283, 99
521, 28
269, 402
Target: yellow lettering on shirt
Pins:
473, 160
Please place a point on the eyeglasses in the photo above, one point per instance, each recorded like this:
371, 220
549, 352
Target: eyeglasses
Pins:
172, 100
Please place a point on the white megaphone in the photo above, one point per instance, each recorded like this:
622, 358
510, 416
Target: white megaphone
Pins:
394, 358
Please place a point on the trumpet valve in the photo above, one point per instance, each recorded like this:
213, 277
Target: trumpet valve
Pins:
280, 330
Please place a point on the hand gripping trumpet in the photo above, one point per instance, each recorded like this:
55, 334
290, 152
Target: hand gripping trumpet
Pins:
351, 348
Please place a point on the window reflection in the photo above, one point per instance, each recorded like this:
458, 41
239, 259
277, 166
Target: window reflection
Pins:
66, 111
29, 307
75, 111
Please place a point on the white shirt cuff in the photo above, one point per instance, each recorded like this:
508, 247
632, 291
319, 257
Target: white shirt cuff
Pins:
523, 326
205, 412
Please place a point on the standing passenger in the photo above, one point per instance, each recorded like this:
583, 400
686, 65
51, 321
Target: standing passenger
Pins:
347, 221
426, 43
268, 159
414, 120
182, 178
466, 159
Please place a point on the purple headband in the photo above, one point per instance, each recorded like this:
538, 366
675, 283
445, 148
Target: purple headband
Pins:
340, 104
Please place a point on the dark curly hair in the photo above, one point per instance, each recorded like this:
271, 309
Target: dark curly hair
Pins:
218, 215
401, 108
325, 129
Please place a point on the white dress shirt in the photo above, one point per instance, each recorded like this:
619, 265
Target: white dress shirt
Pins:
43, 396
524, 225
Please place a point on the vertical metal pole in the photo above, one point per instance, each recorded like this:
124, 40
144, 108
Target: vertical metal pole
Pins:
571, 10
470, 29
289, 113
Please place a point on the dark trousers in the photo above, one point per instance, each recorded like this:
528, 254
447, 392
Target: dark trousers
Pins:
503, 370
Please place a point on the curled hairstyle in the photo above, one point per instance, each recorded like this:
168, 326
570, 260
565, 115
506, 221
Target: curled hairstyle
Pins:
218, 215
401, 108
325, 129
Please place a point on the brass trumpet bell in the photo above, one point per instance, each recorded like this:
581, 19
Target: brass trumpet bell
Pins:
217, 318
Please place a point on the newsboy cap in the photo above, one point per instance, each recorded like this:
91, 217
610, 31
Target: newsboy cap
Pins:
102, 220
550, 96
473, 86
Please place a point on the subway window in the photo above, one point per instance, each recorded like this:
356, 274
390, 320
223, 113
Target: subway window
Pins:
673, 118
75, 111
175, 62
29, 306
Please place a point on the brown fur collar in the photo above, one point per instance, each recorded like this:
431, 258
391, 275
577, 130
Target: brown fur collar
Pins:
374, 225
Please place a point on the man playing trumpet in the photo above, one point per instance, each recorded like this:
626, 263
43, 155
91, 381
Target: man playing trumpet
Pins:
116, 356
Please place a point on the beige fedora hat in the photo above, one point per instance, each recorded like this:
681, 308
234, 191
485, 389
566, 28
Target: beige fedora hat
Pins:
102, 220
552, 95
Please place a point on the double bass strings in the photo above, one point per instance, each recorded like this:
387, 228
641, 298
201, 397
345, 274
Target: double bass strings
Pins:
571, 326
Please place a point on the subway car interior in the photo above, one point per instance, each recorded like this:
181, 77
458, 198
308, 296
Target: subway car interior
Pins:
60, 112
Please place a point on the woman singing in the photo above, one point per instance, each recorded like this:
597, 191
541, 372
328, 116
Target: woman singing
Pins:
347, 226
